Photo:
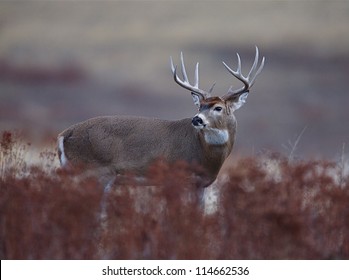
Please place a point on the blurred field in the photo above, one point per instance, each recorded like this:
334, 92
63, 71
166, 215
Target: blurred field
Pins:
63, 62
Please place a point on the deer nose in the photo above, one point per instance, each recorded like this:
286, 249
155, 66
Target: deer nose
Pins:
197, 121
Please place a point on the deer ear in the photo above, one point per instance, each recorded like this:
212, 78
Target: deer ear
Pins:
237, 102
197, 98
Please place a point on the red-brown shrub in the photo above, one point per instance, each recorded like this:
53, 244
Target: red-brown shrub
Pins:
302, 213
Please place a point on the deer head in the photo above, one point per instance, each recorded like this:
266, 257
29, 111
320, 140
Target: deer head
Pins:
215, 112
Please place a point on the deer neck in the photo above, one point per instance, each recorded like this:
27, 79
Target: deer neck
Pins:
217, 144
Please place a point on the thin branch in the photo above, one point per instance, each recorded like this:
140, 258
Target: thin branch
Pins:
342, 167
293, 146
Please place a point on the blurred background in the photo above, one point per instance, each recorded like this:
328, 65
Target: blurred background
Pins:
62, 62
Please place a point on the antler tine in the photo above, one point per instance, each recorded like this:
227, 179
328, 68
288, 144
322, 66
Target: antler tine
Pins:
254, 63
237, 74
173, 68
239, 65
196, 75
212, 87
184, 72
258, 71
185, 82
247, 81
254, 66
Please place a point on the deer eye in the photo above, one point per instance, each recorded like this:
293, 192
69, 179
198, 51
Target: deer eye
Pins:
218, 109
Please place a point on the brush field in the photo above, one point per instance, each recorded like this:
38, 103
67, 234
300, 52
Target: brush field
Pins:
268, 208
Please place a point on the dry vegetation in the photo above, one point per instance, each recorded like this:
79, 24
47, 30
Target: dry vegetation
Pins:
271, 208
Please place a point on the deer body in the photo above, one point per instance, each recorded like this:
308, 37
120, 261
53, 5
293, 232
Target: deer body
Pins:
115, 144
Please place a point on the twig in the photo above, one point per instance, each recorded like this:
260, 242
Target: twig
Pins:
342, 167
293, 146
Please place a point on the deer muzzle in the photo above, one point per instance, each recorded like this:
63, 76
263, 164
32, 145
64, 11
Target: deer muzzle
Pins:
197, 121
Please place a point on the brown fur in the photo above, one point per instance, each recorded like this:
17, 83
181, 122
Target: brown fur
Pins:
116, 144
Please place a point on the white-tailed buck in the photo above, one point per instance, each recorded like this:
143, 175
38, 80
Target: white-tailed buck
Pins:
115, 144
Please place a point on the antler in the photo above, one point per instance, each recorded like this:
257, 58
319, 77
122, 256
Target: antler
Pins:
249, 80
185, 82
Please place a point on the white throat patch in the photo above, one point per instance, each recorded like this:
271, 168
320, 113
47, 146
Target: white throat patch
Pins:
216, 136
